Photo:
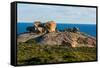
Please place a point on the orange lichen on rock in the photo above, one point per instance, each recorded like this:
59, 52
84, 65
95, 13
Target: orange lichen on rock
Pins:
51, 26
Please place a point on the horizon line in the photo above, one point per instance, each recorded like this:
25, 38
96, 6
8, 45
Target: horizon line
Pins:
62, 23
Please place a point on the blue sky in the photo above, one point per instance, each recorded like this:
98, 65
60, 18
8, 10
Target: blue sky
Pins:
60, 14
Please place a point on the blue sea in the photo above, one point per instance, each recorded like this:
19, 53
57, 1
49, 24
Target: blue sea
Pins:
86, 28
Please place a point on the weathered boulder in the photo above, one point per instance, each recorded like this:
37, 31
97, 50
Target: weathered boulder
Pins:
37, 23
50, 26
74, 29
39, 28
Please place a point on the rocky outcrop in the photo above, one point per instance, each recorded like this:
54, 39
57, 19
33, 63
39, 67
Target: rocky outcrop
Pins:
55, 39
74, 29
50, 26
46, 34
39, 27
69, 39
27, 36
91, 42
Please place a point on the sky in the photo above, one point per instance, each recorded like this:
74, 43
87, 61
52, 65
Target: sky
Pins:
28, 13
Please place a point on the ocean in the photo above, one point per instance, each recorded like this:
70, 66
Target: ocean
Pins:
86, 28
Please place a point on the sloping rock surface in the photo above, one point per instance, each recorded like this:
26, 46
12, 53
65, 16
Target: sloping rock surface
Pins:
70, 39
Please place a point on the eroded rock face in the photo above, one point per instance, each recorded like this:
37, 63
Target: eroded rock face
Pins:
67, 39
38, 27
81, 40
51, 26
37, 23
55, 39
91, 42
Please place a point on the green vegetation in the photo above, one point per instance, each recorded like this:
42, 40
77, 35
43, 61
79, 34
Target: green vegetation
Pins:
32, 53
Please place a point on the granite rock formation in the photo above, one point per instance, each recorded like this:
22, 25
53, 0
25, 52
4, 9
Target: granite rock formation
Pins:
46, 34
